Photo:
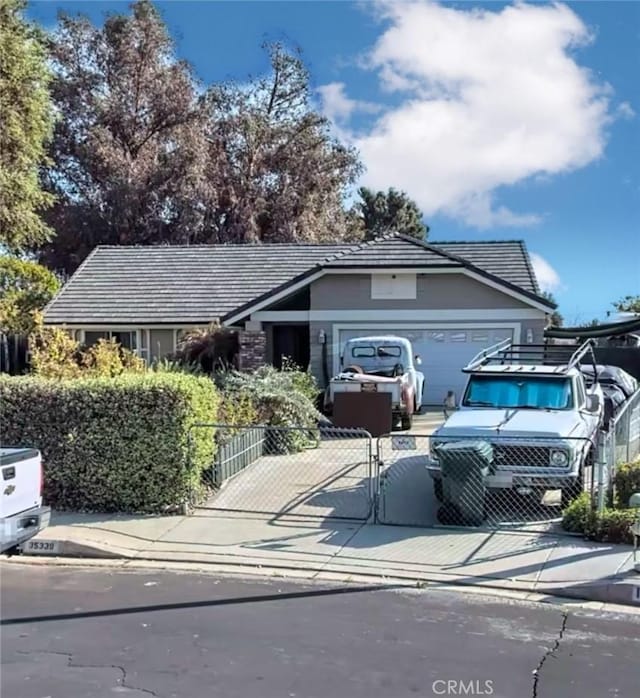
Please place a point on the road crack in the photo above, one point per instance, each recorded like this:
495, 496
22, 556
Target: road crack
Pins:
550, 652
73, 665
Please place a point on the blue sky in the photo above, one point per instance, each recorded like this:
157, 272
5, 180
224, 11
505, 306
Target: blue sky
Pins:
502, 121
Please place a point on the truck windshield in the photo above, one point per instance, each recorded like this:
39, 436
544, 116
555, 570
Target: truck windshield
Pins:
503, 392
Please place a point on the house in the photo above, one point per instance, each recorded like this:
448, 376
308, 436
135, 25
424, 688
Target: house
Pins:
304, 301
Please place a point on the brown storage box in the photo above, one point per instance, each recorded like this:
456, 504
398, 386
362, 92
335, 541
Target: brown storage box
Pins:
365, 410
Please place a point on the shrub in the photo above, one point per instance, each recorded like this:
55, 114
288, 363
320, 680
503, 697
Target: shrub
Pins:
278, 402
107, 359
119, 444
212, 349
166, 365
627, 482
303, 381
611, 526
55, 354
578, 516
237, 409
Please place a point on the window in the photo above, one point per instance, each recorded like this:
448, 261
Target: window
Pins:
126, 338
437, 336
480, 336
382, 351
505, 392
458, 336
393, 286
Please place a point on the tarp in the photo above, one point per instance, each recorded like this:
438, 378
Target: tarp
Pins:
612, 329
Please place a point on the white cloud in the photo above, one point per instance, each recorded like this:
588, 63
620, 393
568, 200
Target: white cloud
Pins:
337, 106
625, 111
488, 99
548, 277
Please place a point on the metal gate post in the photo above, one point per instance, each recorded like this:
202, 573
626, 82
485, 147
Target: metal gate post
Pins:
601, 463
377, 461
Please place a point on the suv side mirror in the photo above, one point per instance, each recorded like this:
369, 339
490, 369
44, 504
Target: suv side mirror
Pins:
593, 403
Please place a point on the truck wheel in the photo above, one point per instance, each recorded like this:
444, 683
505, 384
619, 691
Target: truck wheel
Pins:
571, 492
438, 489
407, 421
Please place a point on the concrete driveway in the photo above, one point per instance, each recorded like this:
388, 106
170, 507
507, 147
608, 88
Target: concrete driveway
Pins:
331, 480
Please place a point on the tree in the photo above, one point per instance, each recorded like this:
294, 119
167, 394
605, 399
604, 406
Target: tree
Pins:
25, 288
556, 318
278, 173
26, 122
628, 304
389, 212
129, 151
142, 156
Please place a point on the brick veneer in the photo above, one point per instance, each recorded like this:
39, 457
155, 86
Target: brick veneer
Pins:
253, 350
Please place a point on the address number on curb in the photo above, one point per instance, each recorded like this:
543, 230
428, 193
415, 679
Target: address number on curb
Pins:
41, 547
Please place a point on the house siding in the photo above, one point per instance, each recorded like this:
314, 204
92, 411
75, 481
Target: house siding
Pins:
433, 292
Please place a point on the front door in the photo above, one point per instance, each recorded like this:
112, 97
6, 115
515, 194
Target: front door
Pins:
291, 341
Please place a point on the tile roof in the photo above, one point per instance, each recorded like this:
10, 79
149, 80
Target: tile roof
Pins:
506, 259
196, 284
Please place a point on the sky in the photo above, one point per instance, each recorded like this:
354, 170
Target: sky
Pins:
502, 121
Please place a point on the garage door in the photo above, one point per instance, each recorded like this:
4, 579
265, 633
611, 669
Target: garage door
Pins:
444, 352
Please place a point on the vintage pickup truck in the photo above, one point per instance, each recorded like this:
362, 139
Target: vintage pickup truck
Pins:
534, 406
21, 512
381, 364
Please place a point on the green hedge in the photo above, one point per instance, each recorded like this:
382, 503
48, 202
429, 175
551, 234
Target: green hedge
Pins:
113, 444
627, 482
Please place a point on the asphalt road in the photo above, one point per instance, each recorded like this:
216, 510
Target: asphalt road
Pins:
79, 633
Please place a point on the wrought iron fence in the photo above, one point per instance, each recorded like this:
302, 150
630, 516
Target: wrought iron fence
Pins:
324, 472
506, 482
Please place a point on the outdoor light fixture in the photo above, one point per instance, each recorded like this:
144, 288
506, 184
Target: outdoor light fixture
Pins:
529, 336
322, 337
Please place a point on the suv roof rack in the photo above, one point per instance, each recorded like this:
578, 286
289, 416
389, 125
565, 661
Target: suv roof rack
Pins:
559, 358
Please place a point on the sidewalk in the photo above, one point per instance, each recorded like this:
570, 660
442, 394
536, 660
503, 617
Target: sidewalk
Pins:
547, 564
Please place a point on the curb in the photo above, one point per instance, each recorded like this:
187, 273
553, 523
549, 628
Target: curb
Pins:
612, 596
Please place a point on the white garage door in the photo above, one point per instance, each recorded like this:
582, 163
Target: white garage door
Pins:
444, 352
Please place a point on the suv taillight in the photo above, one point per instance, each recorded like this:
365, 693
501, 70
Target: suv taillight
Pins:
41, 478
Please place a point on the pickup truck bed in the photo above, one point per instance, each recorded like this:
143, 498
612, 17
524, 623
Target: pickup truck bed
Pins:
21, 512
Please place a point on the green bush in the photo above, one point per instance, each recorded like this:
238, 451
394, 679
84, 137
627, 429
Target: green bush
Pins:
113, 444
278, 401
579, 516
611, 526
303, 382
627, 482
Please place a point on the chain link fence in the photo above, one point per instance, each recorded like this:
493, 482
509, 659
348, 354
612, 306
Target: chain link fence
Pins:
621, 444
415, 479
325, 472
501, 482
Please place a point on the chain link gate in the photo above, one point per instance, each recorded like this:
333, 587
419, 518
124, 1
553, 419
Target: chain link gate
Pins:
505, 482
322, 472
